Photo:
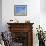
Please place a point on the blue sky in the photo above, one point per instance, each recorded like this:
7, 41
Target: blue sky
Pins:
20, 9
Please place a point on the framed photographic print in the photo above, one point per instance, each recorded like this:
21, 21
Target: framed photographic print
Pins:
20, 10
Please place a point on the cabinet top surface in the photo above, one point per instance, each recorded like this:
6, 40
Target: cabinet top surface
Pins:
19, 23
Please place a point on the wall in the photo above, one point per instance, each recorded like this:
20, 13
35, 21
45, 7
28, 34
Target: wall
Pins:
43, 14
43, 6
0, 15
34, 14
33, 10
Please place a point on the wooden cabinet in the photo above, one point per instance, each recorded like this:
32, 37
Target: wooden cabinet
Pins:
22, 33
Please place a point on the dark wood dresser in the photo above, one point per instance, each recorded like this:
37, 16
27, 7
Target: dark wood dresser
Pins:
22, 33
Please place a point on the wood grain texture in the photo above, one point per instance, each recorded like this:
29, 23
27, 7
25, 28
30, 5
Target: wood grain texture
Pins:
23, 27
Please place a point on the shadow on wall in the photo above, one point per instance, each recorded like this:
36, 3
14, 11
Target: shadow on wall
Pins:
43, 6
0, 15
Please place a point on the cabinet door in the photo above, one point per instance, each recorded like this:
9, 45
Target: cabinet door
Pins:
20, 37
